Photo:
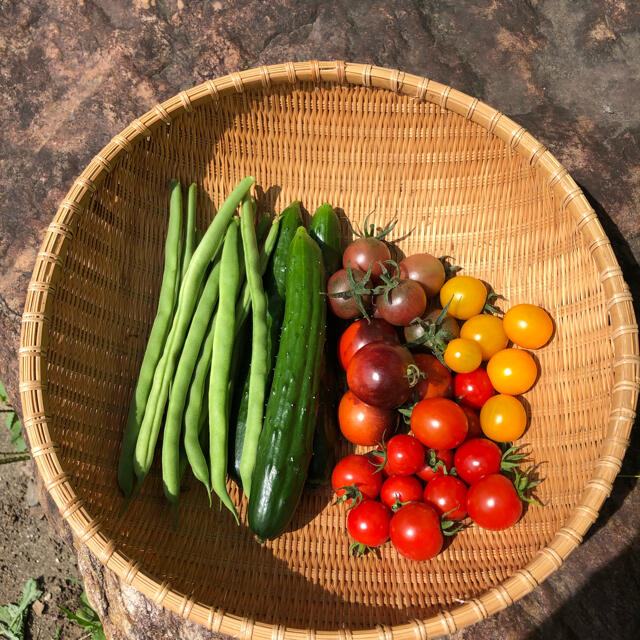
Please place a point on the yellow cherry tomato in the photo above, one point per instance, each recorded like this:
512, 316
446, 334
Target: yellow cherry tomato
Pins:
463, 356
487, 331
528, 326
512, 371
503, 418
465, 295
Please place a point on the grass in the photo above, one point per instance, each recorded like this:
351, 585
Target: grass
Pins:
12, 423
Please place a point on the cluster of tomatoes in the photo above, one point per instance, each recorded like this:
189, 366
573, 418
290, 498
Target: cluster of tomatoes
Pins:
457, 408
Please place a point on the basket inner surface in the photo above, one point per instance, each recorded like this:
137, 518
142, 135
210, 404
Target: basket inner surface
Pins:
463, 193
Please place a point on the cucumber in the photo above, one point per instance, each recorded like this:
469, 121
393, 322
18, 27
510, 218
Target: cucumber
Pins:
275, 279
325, 230
286, 440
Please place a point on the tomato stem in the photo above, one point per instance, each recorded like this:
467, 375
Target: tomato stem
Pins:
368, 229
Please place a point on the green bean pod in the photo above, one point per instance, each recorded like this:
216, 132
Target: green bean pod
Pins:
221, 360
155, 343
190, 228
206, 251
258, 371
180, 385
196, 408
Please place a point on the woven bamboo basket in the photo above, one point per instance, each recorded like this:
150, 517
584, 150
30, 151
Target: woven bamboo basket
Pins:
470, 183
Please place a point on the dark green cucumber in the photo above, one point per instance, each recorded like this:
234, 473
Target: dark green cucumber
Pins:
325, 230
284, 448
275, 282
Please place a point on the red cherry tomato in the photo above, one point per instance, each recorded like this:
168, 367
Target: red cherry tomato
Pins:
493, 502
404, 303
378, 456
399, 489
368, 523
473, 422
437, 381
362, 332
433, 465
473, 389
425, 269
439, 423
365, 252
362, 423
346, 307
354, 473
379, 374
415, 531
448, 496
405, 455
477, 458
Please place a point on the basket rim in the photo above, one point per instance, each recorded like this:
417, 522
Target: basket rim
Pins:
47, 270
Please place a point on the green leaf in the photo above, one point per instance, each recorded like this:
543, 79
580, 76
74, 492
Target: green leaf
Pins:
13, 617
86, 617
14, 426
3, 393
56, 635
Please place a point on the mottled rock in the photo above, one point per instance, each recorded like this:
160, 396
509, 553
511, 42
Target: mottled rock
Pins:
73, 74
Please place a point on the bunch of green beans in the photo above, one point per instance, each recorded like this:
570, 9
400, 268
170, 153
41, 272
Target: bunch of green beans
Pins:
210, 285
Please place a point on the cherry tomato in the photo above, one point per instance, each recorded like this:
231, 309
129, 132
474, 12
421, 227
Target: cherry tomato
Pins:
401, 489
415, 531
437, 381
473, 422
378, 456
462, 356
512, 371
362, 423
466, 296
528, 326
379, 374
448, 496
368, 523
493, 503
472, 389
356, 472
405, 302
487, 331
474, 459
405, 454
439, 423
503, 418
431, 469
363, 252
425, 269
363, 332
346, 307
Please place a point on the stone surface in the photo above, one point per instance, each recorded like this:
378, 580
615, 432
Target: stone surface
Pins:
73, 74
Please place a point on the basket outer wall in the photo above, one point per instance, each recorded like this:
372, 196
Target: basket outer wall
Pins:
623, 334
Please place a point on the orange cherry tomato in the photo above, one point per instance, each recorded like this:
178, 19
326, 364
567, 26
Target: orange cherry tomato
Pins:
437, 382
512, 371
487, 331
362, 423
528, 326
465, 296
503, 418
463, 356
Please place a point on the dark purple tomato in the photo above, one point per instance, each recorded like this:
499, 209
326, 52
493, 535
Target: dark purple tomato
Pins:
379, 374
363, 252
425, 269
346, 307
404, 303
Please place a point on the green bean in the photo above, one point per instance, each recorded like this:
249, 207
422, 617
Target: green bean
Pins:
181, 380
155, 343
258, 372
221, 359
190, 229
196, 408
243, 305
206, 251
